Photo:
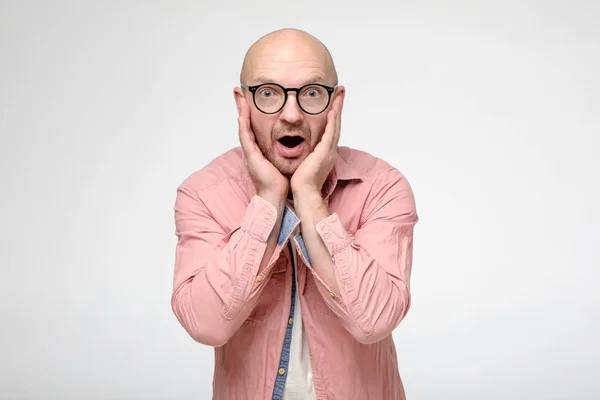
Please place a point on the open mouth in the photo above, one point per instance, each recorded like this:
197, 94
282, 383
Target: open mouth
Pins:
291, 141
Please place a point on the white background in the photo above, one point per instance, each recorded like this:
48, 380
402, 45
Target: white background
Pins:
491, 110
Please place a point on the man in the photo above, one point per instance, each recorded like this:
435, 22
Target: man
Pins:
294, 255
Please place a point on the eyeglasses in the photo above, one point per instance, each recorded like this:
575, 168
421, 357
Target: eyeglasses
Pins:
270, 98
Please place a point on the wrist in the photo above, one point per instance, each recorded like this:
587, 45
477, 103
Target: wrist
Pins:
309, 202
275, 198
306, 192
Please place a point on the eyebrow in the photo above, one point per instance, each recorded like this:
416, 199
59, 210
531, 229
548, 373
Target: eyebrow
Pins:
315, 78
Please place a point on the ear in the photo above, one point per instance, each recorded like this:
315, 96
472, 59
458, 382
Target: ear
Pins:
340, 91
238, 94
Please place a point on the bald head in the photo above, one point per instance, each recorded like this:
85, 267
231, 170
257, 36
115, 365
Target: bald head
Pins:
289, 58
291, 48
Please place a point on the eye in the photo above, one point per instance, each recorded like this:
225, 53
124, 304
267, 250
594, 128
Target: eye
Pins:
312, 92
269, 92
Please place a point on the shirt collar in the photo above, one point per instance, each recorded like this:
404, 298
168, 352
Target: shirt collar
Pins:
342, 171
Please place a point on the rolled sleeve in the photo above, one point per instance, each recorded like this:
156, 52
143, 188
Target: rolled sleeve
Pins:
333, 234
215, 286
373, 266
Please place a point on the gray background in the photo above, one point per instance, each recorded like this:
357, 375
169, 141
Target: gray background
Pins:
491, 109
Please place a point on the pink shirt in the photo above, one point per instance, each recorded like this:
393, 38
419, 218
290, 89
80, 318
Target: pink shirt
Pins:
221, 300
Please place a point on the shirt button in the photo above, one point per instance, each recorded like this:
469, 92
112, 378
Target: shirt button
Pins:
281, 371
291, 321
332, 294
259, 278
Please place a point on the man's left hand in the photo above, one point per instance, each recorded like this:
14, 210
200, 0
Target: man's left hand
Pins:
312, 173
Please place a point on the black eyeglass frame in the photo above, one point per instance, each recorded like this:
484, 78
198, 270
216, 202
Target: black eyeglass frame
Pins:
254, 88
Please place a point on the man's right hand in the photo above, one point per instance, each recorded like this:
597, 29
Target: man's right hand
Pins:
270, 184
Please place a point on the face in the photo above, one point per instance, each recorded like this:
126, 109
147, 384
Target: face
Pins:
287, 137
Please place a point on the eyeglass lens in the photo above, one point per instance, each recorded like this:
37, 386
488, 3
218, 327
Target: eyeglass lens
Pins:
312, 99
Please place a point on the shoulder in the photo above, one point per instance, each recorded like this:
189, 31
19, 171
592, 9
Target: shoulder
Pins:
378, 177
386, 189
366, 166
226, 168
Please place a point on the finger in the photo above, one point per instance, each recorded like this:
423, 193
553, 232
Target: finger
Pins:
245, 133
338, 123
329, 133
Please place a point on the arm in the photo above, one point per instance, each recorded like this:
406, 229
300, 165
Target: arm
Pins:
216, 282
364, 279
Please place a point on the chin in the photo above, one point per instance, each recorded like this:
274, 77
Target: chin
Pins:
287, 170
287, 167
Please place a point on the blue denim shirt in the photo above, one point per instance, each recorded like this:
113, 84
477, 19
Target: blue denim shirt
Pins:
288, 224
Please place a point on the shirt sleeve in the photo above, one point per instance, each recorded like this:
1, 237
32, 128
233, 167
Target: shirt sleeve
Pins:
216, 283
373, 266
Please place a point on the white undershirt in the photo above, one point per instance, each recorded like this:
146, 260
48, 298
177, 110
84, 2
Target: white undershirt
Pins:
299, 383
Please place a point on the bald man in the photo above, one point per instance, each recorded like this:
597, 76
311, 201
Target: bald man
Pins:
294, 254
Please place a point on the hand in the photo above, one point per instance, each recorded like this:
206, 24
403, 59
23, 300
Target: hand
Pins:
268, 181
312, 173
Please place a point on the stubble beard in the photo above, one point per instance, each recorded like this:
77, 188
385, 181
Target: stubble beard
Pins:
286, 167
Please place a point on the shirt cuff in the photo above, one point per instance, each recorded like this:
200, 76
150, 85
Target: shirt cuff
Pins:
259, 219
333, 233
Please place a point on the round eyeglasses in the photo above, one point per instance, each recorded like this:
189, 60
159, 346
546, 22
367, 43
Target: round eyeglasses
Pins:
270, 98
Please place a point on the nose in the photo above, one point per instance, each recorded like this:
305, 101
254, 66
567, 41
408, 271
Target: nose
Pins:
291, 111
